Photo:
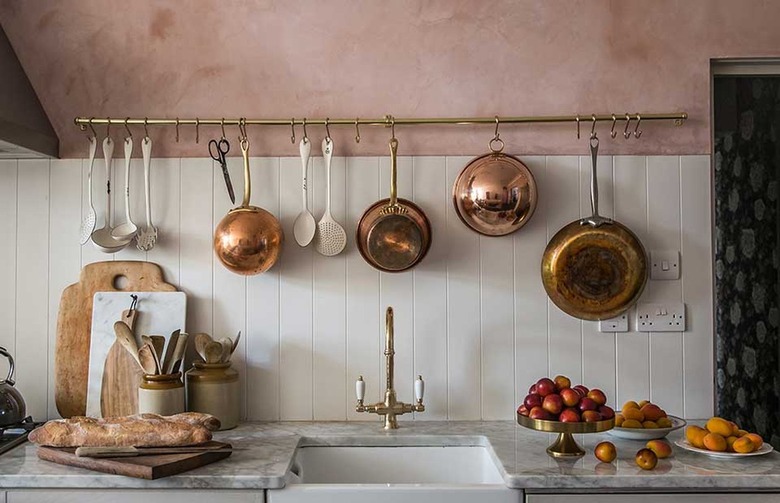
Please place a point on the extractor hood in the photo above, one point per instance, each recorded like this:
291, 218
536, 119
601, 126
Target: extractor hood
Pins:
25, 130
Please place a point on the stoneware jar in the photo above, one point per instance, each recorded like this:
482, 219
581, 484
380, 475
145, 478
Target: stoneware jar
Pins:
161, 394
212, 388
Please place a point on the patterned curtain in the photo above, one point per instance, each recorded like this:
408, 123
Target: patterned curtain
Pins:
747, 160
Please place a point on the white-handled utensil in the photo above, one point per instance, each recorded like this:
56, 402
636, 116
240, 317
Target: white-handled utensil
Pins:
126, 231
331, 237
304, 226
147, 237
88, 223
102, 237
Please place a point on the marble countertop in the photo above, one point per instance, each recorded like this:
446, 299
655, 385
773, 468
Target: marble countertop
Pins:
264, 453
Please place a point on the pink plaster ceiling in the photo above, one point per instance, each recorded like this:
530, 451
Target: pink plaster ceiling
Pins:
346, 58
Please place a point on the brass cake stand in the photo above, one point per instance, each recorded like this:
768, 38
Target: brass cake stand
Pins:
565, 446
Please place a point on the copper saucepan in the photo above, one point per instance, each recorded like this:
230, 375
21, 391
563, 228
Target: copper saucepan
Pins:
393, 234
248, 239
495, 194
594, 268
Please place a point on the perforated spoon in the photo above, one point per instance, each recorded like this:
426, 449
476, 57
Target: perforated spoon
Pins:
331, 236
127, 230
304, 226
102, 237
88, 223
147, 237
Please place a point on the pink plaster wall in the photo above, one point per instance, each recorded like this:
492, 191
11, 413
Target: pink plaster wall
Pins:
277, 58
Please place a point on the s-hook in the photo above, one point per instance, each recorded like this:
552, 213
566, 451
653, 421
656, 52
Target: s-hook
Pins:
92, 128
637, 132
197, 130
146, 131
626, 133
327, 129
577, 118
134, 302
357, 130
292, 129
593, 127
305, 135
129, 133
177, 130
612, 132
222, 125
108, 127
496, 139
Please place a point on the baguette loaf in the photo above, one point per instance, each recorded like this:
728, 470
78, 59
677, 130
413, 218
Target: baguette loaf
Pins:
208, 421
119, 432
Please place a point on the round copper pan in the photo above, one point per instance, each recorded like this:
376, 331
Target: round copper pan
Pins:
594, 268
495, 194
393, 234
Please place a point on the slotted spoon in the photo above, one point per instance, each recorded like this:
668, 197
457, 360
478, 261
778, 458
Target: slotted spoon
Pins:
331, 237
304, 226
147, 236
88, 223
126, 231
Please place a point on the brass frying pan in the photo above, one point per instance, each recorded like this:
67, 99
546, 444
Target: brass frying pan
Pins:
594, 268
393, 234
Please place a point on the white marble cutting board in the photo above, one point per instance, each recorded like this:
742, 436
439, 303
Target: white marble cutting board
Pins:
158, 313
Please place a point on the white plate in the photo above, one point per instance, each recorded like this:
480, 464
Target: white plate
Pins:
647, 434
764, 449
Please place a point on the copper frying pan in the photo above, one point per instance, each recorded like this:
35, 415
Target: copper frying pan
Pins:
594, 268
393, 234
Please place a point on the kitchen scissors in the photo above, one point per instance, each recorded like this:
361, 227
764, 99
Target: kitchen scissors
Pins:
222, 147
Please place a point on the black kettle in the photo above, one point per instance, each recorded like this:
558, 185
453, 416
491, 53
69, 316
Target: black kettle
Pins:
12, 407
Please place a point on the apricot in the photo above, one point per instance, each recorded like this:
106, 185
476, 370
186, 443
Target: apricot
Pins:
734, 427
661, 448
652, 412
619, 420
605, 452
695, 436
664, 422
630, 405
730, 443
642, 403
650, 425
743, 445
756, 439
720, 426
635, 414
742, 433
715, 442
646, 459
631, 423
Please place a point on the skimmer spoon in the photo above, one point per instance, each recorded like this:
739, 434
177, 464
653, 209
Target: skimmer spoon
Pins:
88, 223
331, 236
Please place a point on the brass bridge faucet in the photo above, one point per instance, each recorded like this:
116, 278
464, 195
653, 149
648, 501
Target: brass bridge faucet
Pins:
390, 407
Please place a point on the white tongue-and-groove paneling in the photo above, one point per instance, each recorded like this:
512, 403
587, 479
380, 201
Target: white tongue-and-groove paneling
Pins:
472, 318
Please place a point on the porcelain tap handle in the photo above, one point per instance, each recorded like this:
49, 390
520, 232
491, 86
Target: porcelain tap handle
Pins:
419, 389
360, 389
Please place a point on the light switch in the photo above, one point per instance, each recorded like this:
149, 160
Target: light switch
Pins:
664, 264
662, 317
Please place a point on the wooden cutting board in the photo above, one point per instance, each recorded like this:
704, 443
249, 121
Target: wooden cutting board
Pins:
142, 467
71, 359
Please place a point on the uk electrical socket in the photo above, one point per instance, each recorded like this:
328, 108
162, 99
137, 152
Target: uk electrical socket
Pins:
617, 324
664, 317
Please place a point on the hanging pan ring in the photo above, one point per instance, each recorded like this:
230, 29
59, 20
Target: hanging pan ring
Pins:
327, 129
129, 133
222, 125
612, 132
496, 140
357, 130
593, 127
292, 129
637, 132
626, 133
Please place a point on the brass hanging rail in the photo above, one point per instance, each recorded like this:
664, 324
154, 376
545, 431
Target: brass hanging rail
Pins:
386, 121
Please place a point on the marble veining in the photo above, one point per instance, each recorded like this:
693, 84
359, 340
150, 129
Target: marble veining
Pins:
264, 453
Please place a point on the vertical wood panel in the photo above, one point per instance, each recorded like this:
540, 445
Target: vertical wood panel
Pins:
598, 349
32, 272
363, 320
565, 338
430, 287
696, 267
165, 187
137, 198
64, 250
295, 291
663, 223
633, 350
530, 302
396, 290
8, 229
261, 339
464, 388
330, 301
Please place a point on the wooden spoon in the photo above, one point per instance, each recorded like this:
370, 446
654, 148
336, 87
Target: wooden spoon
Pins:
148, 359
147, 340
227, 349
158, 343
201, 341
213, 352
178, 353
235, 343
170, 349
125, 337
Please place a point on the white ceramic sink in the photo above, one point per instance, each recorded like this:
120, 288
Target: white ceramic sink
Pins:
429, 474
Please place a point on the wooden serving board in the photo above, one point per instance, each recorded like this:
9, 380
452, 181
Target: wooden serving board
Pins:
141, 467
71, 359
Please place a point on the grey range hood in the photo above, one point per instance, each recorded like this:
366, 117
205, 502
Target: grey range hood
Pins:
25, 130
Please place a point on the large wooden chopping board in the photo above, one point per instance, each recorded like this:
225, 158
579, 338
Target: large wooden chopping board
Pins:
142, 467
71, 359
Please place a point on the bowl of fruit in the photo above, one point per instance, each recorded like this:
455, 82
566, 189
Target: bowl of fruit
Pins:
721, 438
644, 421
554, 406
